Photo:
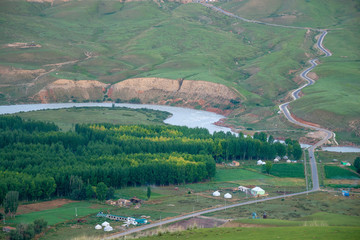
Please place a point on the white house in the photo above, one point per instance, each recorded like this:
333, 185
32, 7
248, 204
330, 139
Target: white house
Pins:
243, 189
98, 227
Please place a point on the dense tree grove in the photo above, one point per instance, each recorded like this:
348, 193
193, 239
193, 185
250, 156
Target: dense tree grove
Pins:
38, 160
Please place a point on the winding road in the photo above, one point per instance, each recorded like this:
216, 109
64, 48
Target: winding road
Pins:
284, 108
295, 94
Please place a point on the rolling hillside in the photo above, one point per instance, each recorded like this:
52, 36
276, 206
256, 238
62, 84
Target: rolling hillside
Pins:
43, 42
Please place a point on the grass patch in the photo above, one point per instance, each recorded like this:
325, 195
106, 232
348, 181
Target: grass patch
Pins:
236, 174
290, 170
295, 233
335, 172
67, 118
61, 214
326, 156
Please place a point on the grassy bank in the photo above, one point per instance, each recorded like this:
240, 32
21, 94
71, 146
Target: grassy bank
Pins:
67, 118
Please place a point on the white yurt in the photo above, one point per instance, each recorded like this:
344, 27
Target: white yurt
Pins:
105, 224
108, 228
257, 191
216, 194
227, 195
98, 227
261, 162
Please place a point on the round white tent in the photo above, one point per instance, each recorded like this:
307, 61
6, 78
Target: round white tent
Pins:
105, 224
108, 228
98, 227
257, 191
216, 194
227, 195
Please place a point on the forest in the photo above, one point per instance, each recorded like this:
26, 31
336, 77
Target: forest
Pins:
39, 161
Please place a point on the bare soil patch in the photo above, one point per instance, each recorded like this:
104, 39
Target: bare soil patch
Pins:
316, 135
343, 182
35, 207
232, 224
199, 222
23, 45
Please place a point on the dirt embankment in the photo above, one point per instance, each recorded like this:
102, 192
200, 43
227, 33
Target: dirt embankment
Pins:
68, 90
187, 93
17, 75
304, 122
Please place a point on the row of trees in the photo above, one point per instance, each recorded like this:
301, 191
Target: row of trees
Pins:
38, 160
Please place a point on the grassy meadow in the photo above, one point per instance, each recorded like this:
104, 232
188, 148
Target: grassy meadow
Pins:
256, 233
333, 101
67, 118
61, 214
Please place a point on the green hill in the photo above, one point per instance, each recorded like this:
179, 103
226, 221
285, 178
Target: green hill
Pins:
111, 41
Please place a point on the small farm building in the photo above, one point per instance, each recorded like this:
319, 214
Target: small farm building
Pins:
135, 200
235, 163
242, 188
8, 229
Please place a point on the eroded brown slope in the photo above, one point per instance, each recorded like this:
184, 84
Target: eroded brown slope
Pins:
64, 90
180, 92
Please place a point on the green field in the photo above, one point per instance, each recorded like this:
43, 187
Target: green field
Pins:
326, 156
295, 170
299, 233
61, 214
67, 118
335, 172
236, 174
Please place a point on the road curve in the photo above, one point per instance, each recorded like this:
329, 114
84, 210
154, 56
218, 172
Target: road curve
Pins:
284, 108
295, 95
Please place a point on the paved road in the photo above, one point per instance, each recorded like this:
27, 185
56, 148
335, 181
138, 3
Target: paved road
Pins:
295, 95
157, 224
285, 110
